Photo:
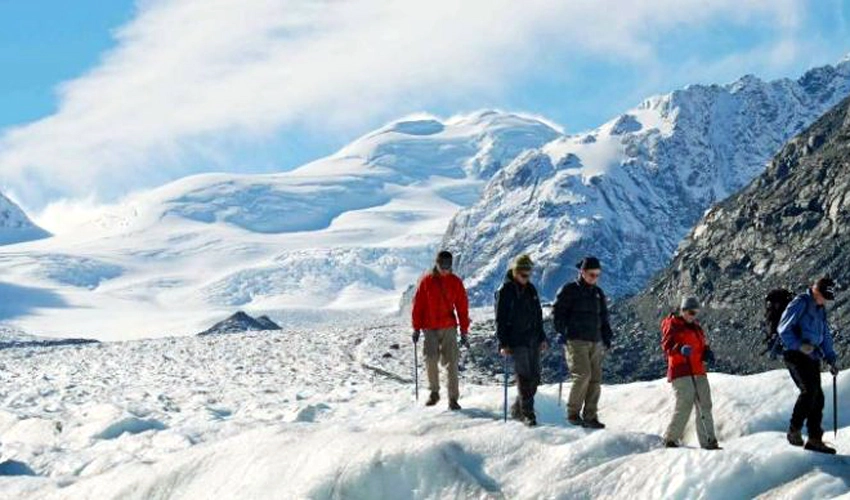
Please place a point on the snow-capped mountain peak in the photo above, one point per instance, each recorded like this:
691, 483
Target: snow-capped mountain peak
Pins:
15, 226
630, 190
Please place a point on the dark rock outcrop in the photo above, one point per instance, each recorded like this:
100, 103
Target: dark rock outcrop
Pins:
789, 226
242, 322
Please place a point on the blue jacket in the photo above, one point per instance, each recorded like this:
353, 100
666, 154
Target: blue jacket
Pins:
805, 321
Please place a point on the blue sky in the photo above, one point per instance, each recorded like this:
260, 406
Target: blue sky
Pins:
101, 98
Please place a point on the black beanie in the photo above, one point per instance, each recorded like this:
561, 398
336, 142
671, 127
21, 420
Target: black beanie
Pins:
826, 287
445, 259
589, 263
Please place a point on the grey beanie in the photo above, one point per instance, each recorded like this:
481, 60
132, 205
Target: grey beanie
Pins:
690, 303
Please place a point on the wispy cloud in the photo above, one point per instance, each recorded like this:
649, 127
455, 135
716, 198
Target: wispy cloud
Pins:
185, 73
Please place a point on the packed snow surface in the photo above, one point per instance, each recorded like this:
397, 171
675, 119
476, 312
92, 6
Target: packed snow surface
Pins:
331, 414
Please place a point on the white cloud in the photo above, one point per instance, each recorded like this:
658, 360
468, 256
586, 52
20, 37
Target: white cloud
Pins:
186, 73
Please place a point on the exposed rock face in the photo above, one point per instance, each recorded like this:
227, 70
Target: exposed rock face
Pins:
788, 227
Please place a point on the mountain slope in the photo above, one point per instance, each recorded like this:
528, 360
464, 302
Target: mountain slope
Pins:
630, 190
789, 226
15, 226
340, 235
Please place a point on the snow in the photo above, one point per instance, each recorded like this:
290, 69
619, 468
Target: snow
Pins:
321, 413
343, 234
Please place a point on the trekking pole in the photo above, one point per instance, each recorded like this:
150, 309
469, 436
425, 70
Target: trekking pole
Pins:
505, 402
416, 370
561, 382
835, 405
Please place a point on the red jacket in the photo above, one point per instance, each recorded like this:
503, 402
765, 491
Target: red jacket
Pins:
676, 332
437, 298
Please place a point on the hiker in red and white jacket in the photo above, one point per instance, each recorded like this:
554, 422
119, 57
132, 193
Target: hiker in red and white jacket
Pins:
683, 341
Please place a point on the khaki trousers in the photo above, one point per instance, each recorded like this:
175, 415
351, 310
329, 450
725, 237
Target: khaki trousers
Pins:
686, 399
441, 348
584, 359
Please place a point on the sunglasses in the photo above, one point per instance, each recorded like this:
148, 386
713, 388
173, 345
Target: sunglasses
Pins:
594, 274
691, 312
524, 275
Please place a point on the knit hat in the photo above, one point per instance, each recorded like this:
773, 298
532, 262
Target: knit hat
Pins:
826, 287
588, 263
445, 260
690, 304
523, 263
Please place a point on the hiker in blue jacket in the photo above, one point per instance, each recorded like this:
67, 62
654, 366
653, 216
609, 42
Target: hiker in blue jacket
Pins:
807, 340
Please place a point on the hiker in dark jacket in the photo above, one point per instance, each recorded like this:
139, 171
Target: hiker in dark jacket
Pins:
519, 327
807, 340
583, 325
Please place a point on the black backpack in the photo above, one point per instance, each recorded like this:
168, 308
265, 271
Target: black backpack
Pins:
774, 305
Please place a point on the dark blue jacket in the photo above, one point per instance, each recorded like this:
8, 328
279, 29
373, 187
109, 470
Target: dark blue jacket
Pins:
805, 321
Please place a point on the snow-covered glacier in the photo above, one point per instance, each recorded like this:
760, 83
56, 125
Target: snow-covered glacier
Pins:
339, 235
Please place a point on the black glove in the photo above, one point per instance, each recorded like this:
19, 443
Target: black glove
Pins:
833, 369
464, 340
416, 334
607, 344
708, 356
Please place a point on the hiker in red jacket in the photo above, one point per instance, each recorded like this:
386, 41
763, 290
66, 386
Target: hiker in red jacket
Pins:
683, 341
439, 306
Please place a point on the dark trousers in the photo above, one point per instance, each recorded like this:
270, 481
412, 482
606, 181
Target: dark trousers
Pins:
809, 408
527, 369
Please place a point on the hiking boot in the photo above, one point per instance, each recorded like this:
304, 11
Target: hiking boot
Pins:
712, 445
795, 437
530, 420
432, 399
453, 406
575, 420
669, 443
594, 424
818, 446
